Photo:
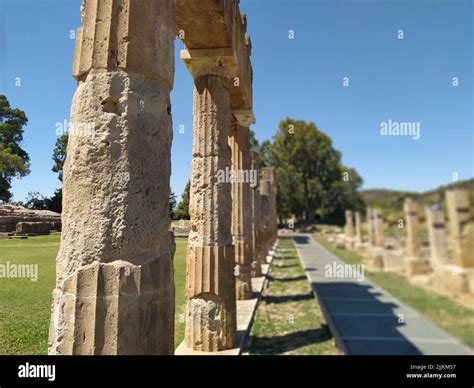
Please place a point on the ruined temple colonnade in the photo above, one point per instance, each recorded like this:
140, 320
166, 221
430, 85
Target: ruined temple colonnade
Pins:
114, 289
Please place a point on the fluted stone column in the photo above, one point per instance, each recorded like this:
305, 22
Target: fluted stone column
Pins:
414, 264
437, 236
461, 239
239, 141
358, 228
270, 189
255, 221
114, 271
210, 284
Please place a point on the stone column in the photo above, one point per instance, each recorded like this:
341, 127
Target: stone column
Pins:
273, 206
378, 227
349, 228
264, 190
437, 235
461, 239
414, 264
239, 141
114, 271
370, 226
410, 209
268, 192
358, 228
257, 262
210, 284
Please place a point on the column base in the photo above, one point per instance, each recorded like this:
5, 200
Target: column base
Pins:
243, 283
117, 308
416, 266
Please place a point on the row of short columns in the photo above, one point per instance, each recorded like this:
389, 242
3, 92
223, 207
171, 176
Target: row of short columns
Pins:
450, 251
114, 289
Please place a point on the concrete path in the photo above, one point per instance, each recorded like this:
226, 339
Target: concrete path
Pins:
365, 319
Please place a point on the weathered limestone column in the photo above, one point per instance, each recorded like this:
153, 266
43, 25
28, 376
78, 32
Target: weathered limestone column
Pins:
210, 284
264, 189
257, 262
273, 205
413, 263
437, 236
458, 213
269, 191
410, 209
114, 271
378, 227
239, 141
349, 227
370, 226
358, 228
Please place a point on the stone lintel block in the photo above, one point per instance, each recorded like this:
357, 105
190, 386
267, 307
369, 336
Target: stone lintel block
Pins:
115, 308
220, 61
134, 36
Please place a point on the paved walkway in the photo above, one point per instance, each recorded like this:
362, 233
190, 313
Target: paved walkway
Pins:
365, 319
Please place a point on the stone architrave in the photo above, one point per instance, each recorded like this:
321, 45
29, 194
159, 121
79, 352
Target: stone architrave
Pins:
114, 271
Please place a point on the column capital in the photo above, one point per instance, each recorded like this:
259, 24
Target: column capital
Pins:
244, 117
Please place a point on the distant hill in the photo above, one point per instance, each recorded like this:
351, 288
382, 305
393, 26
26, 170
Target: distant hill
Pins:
392, 200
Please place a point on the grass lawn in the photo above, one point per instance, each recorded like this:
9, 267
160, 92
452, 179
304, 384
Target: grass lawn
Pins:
25, 305
288, 319
454, 318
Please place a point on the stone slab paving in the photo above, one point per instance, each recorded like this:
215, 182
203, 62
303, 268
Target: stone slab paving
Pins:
366, 320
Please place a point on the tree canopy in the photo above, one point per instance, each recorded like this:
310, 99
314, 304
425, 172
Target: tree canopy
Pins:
14, 160
311, 178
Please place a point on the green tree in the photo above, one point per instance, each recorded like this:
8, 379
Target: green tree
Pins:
182, 211
35, 200
59, 154
14, 160
310, 175
172, 203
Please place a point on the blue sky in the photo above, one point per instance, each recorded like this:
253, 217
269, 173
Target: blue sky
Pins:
407, 80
